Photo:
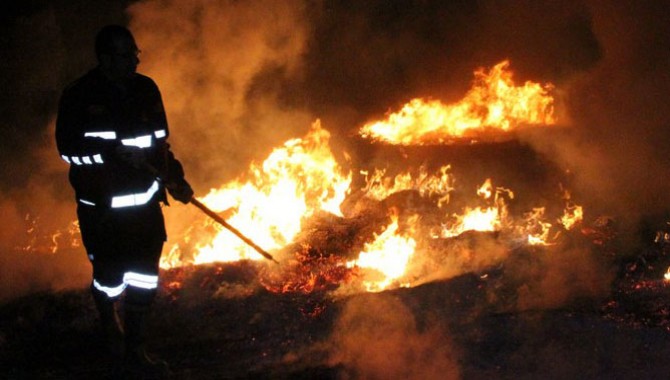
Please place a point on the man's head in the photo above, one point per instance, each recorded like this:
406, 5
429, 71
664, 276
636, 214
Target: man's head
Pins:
117, 52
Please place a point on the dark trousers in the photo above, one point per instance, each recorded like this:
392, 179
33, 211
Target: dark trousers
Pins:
121, 243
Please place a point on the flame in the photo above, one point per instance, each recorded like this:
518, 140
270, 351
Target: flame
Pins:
295, 181
441, 184
40, 239
388, 255
479, 218
573, 214
494, 102
301, 178
537, 228
486, 189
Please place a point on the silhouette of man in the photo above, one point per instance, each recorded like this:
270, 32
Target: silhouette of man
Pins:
112, 130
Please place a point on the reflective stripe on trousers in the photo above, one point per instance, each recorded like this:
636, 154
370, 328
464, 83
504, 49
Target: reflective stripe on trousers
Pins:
134, 279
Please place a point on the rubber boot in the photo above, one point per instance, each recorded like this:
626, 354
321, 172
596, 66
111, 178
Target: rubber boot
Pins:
137, 362
110, 323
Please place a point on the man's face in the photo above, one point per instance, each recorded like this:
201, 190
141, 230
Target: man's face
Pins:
122, 63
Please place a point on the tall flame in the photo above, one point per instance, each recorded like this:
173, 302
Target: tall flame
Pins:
494, 102
295, 181
302, 177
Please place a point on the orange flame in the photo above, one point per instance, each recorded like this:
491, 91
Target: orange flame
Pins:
537, 228
573, 214
494, 102
441, 184
295, 181
41, 240
388, 255
490, 218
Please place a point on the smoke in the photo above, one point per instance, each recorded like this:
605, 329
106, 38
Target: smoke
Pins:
377, 337
40, 246
553, 280
540, 278
469, 253
616, 147
219, 66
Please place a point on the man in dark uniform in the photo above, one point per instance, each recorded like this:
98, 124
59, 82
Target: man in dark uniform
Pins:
112, 130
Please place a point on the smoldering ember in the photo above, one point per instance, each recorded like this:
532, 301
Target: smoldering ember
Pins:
494, 226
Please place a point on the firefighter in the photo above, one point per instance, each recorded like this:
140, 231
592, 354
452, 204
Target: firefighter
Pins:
112, 131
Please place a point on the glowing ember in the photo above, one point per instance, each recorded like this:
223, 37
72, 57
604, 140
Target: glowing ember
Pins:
389, 255
493, 103
307, 272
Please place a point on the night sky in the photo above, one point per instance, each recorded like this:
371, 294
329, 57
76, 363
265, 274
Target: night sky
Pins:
239, 78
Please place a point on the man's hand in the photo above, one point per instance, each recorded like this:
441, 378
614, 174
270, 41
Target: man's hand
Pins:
132, 156
180, 191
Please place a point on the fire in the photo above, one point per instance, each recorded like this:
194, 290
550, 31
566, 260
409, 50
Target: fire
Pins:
441, 184
486, 189
573, 215
537, 227
480, 218
301, 179
295, 181
493, 103
388, 254
41, 239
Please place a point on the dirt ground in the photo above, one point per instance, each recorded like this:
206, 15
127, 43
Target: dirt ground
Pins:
217, 322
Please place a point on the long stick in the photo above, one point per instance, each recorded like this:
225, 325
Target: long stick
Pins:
232, 229
216, 217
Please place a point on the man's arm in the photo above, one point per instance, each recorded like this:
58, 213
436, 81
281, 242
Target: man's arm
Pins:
171, 170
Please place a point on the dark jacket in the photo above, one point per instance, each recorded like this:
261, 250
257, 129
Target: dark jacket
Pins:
95, 116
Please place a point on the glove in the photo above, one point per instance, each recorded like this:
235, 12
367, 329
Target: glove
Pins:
132, 156
180, 191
